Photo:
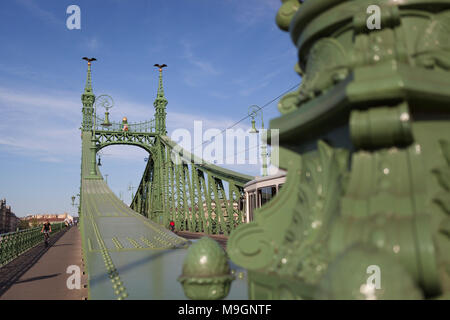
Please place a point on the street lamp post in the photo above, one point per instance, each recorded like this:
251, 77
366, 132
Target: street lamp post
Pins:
76, 204
131, 188
107, 102
253, 112
94, 145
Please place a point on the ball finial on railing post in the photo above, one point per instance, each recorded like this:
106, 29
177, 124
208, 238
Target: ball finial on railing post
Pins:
206, 272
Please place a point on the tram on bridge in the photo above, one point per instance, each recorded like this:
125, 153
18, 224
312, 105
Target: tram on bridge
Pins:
260, 191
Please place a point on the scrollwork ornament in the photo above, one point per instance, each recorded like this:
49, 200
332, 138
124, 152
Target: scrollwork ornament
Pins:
286, 13
304, 254
327, 64
433, 45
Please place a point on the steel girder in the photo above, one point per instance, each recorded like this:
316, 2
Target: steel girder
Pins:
189, 191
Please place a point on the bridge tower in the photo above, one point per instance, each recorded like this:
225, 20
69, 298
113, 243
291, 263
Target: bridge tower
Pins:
87, 134
160, 105
88, 99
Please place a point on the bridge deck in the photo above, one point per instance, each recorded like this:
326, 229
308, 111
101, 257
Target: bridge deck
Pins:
46, 279
124, 243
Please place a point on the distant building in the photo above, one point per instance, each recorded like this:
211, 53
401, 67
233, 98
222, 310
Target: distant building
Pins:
42, 218
8, 220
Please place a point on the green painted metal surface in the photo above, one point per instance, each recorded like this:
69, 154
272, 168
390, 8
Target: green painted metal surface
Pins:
206, 271
365, 141
13, 244
178, 186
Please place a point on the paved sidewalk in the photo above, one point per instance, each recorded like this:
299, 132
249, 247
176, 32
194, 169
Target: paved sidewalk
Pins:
46, 279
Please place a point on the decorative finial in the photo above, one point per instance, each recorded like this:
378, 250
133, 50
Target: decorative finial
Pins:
206, 271
89, 60
88, 88
160, 87
160, 66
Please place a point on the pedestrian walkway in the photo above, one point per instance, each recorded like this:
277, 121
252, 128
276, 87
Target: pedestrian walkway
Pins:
47, 278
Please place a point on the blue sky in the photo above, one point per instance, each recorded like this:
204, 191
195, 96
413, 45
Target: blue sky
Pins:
222, 57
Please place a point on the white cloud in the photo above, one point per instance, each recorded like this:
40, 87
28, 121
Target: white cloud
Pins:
251, 12
218, 94
24, 102
197, 69
51, 159
40, 125
93, 43
43, 14
201, 64
250, 90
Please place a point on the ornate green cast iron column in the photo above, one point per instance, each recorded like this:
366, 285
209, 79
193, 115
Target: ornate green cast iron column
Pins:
158, 153
88, 99
365, 211
160, 105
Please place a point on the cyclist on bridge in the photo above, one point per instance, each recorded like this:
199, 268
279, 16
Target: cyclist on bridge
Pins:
46, 229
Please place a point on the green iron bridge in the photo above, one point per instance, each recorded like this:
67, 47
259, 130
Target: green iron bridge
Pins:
176, 186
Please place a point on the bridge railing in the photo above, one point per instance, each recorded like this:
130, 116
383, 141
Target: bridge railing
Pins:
13, 244
146, 126
178, 186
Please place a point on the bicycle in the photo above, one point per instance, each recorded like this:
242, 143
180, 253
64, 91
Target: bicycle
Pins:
46, 237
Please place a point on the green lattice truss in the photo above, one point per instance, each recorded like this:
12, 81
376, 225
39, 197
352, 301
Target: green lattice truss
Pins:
181, 187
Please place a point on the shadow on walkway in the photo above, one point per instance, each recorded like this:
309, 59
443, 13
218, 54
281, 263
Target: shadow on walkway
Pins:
39, 278
11, 272
63, 244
